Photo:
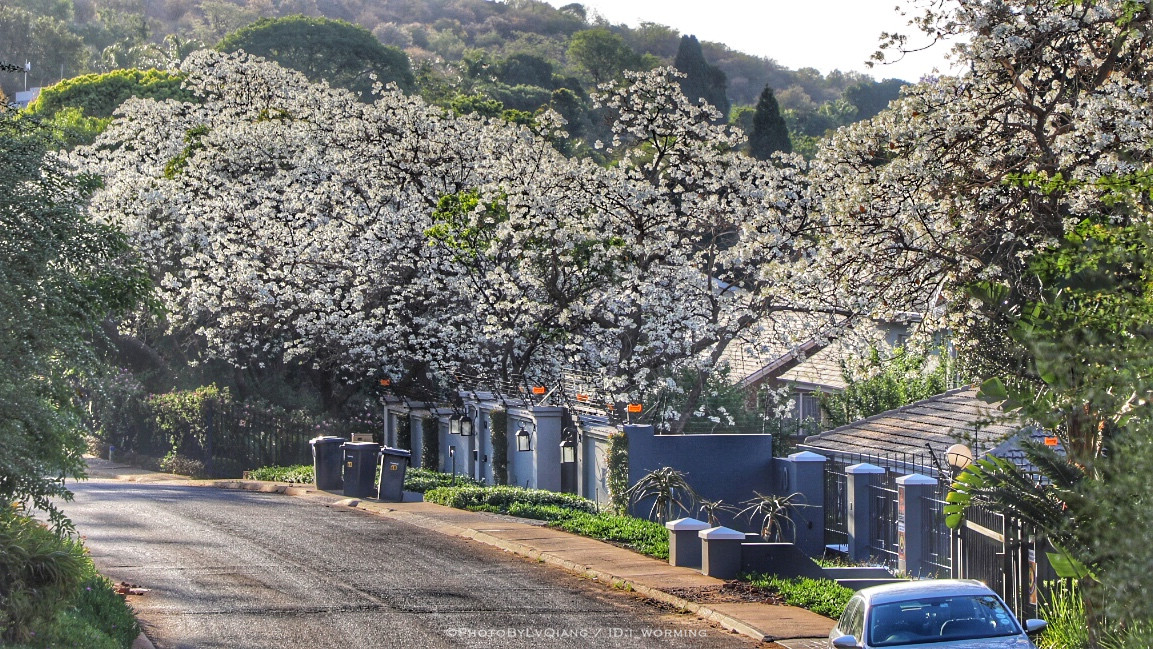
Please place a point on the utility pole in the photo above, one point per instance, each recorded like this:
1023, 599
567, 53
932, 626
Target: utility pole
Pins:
27, 69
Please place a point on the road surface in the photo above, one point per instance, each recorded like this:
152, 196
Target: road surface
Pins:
238, 569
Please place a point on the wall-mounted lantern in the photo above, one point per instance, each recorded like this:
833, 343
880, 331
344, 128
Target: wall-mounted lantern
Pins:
465, 426
523, 439
454, 424
567, 452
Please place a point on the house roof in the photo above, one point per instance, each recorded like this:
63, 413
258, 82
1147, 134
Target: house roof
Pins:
935, 423
821, 369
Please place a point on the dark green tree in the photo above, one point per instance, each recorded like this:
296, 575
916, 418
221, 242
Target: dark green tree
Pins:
770, 133
60, 276
44, 42
526, 69
702, 81
340, 53
602, 54
884, 384
871, 97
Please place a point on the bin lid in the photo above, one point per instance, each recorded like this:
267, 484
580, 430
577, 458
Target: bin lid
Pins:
360, 446
326, 439
398, 452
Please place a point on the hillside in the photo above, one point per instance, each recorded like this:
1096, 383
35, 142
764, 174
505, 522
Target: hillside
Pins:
519, 52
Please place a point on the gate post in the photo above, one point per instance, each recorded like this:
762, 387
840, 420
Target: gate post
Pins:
858, 478
806, 476
912, 490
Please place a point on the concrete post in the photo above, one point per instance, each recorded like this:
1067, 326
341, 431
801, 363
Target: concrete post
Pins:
546, 447
684, 542
912, 490
721, 552
416, 427
806, 476
859, 477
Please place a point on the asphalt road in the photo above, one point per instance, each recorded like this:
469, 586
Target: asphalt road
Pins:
237, 569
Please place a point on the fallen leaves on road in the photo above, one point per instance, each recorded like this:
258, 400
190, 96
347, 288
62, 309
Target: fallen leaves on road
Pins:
124, 588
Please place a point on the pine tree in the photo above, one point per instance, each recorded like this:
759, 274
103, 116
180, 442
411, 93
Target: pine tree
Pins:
769, 130
702, 80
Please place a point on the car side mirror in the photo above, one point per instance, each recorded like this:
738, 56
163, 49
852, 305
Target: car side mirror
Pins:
1033, 627
846, 642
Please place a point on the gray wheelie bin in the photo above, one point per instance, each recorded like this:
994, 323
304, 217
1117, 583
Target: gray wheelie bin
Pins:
327, 461
359, 468
393, 463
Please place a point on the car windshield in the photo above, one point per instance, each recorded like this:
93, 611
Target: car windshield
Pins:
939, 619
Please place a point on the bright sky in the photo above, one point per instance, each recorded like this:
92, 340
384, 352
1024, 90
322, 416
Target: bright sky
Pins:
821, 34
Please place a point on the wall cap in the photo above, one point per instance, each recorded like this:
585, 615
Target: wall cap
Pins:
863, 468
721, 534
807, 456
687, 524
916, 479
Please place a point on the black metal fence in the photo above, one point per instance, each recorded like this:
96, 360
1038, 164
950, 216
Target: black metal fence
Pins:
836, 506
229, 438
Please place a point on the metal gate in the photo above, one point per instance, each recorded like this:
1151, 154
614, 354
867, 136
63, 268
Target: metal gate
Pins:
883, 541
1004, 555
836, 507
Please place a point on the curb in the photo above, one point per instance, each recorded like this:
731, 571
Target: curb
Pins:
142, 642
703, 611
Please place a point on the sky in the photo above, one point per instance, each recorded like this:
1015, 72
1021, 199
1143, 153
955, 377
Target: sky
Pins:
821, 34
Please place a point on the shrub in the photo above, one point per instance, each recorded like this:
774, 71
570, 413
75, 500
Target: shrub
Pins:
822, 596
1064, 610
562, 511
618, 470
422, 480
180, 465
99, 605
39, 572
503, 496
298, 474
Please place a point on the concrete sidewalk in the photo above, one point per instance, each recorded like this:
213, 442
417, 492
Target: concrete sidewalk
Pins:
682, 588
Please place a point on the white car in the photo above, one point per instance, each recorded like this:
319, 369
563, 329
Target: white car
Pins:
936, 613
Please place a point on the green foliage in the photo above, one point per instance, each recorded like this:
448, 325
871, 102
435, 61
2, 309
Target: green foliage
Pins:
423, 480
669, 491
617, 465
429, 443
298, 474
645, 537
39, 572
340, 53
183, 416
1062, 607
772, 512
60, 276
72, 128
192, 141
43, 40
870, 97
884, 384
601, 54
822, 596
469, 497
770, 133
702, 81
98, 95
500, 446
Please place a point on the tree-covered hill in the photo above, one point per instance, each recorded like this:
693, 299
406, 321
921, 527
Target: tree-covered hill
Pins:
462, 53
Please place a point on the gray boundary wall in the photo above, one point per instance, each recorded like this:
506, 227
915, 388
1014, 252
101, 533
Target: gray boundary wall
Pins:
719, 467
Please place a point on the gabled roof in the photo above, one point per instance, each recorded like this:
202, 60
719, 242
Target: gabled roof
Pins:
935, 423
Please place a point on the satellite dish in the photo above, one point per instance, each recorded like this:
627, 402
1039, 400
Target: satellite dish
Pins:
959, 456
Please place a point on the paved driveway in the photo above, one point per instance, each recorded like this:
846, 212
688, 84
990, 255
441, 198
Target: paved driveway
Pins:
240, 569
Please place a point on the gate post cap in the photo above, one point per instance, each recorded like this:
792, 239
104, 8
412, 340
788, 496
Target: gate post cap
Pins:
721, 534
914, 479
863, 469
807, 456
687, 525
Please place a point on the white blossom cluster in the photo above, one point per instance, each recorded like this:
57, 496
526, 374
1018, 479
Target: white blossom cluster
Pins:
288, 221
954, 183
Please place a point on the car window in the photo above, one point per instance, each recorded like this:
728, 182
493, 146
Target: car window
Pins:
851, 618
939, 619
